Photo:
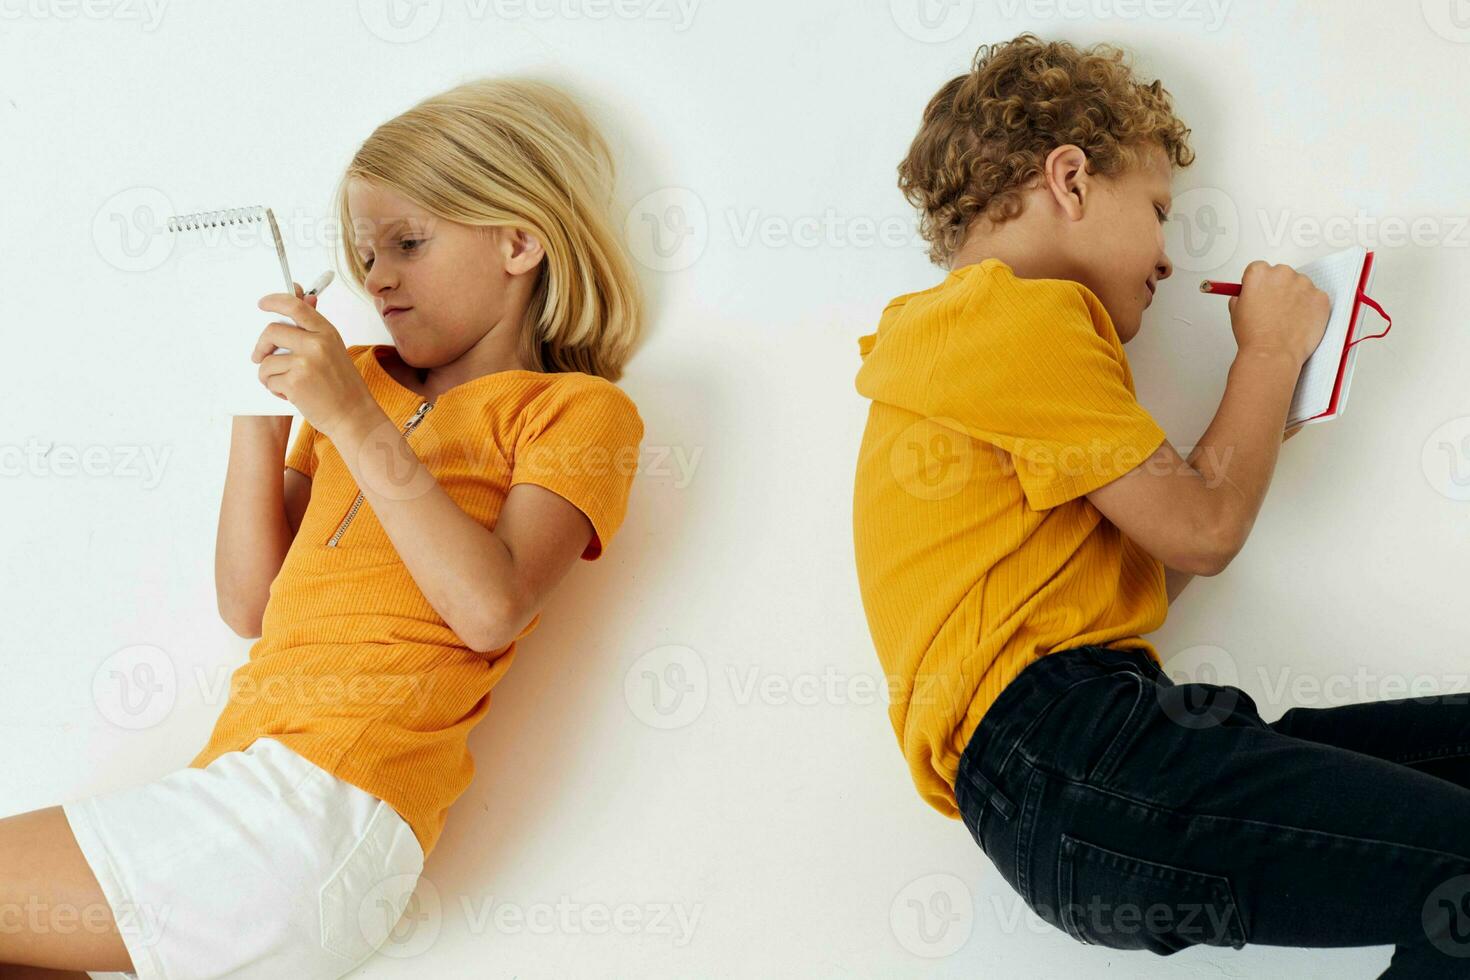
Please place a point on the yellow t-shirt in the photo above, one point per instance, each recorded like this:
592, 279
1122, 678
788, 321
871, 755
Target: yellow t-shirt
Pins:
354, 669
997, 402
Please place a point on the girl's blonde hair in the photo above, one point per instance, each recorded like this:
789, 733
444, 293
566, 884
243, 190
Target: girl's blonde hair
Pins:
519, 153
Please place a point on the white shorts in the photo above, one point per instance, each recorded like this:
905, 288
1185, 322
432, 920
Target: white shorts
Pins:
262, 865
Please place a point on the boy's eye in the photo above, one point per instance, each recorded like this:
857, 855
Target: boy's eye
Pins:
1163, 217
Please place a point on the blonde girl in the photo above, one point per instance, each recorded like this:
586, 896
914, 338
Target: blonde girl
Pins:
438, 490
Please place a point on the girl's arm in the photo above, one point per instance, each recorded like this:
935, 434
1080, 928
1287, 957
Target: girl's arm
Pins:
255, 526
487, 585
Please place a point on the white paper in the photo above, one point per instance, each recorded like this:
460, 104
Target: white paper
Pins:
211, 283
1336, 275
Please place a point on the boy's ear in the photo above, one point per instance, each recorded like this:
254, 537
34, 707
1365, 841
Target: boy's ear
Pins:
1065, 175
522, 251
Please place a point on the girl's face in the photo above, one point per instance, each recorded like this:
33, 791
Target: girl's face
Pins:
458, 285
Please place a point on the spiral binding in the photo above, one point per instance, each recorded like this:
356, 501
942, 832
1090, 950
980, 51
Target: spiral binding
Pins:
180, 223
197, 220
216, 219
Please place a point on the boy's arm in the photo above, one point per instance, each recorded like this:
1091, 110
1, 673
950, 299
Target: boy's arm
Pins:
1174, 580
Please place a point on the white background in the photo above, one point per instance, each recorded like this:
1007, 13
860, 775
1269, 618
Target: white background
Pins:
780, 815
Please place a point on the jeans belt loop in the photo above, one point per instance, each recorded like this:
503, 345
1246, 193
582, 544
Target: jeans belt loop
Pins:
991, 794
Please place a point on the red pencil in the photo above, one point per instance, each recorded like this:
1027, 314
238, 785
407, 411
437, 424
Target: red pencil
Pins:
1220, 288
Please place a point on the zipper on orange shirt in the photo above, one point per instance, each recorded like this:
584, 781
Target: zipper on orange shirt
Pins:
408, 427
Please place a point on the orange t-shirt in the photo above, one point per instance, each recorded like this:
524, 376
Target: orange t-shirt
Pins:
354, 669
997, 403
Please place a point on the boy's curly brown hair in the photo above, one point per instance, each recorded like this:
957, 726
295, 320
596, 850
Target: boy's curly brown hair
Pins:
986, 134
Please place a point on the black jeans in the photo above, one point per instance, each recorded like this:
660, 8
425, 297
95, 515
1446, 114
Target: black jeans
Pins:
1137, 813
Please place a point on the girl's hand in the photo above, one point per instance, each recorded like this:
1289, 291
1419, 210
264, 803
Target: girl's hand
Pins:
317, 376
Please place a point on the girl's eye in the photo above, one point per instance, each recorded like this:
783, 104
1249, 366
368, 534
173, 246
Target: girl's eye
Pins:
406, 243
1163, 218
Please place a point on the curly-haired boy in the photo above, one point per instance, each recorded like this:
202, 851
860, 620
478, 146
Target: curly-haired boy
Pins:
1021, 522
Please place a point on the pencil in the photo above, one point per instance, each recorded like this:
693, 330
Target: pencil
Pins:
1220, 288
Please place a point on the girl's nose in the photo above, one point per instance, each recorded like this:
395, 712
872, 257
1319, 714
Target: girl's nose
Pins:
377, 279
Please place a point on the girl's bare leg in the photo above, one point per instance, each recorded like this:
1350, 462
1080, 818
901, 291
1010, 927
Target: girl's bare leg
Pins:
52, 910
39, 973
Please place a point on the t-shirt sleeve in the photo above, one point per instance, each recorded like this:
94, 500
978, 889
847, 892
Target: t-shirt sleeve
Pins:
1041, 383
302, 456
581, 441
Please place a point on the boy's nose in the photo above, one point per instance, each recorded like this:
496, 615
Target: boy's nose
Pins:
1165, 268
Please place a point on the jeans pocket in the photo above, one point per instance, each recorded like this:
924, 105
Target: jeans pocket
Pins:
369, 891
1088, 729
1112, 899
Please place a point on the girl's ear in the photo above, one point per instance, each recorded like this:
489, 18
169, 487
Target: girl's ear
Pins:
522, 250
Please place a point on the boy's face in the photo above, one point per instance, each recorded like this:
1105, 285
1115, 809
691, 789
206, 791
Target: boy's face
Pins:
1119, 242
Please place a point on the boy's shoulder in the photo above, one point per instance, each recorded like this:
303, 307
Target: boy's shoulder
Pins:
990, 290
984, 279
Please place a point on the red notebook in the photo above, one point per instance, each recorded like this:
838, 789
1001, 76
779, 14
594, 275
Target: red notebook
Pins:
1321, 390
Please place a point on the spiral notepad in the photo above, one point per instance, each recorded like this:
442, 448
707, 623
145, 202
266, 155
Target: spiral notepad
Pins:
223, 263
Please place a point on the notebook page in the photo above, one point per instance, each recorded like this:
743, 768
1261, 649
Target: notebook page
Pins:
214, 278
1336, 275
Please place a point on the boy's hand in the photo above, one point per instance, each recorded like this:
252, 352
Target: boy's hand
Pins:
316, 376
1279, 308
